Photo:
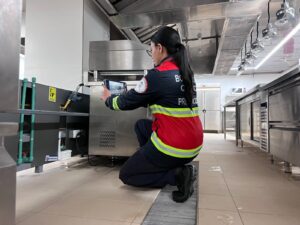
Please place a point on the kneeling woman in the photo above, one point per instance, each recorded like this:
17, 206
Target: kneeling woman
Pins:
174, 138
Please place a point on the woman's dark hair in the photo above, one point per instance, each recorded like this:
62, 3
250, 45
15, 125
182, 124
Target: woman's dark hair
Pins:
169, 38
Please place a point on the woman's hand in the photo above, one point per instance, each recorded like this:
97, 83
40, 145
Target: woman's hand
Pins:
105, 94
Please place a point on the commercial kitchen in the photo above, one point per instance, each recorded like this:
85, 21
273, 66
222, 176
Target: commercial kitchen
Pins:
62, 149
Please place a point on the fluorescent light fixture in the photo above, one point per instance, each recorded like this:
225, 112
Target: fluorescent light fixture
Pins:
269, 32
279, 45
239, 73
257, 46
247, 68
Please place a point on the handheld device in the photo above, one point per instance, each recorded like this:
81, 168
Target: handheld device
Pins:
115, 87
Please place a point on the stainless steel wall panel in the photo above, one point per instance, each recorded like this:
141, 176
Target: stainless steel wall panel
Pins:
10, 28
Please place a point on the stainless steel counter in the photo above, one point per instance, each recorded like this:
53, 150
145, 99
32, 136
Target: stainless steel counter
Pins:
284, 118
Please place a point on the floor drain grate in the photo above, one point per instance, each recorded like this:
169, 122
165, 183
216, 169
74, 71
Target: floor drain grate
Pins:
165, 211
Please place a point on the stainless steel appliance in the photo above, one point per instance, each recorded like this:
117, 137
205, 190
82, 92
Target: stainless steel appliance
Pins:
112, 132
9, 74
248, 118
284, 117
209, 101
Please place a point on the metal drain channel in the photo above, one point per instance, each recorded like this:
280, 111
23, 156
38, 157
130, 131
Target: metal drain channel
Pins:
165, 211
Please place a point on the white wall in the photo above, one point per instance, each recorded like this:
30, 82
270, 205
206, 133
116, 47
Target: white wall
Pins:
95, 28
54, 42
228, 82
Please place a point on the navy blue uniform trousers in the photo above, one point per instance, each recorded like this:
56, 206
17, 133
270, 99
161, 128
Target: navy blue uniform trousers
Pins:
148, 167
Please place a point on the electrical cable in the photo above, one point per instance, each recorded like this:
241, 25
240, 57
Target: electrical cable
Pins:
269, 11
257, 26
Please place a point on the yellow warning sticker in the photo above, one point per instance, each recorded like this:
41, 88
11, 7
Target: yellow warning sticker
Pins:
52, 94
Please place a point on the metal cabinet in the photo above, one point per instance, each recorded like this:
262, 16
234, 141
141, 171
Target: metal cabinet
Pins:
112, 132
284, 120
209, 101
248, 119
285, 143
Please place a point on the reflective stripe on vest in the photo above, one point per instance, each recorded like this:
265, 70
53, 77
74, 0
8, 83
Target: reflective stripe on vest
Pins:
171, 151
175, 112
115, 103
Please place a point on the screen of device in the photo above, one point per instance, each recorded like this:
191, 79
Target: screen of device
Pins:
115, 87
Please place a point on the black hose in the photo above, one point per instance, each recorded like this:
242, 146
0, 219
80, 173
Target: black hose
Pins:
269, 11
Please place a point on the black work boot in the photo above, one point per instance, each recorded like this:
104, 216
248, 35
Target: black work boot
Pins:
185, 177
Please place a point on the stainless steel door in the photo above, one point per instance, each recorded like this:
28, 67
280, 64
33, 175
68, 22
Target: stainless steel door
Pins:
212, 99
210, 108
213, 120
285, 144
245, 121
285, 105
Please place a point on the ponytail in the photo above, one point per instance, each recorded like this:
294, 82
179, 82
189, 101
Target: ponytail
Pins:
169, 38
181, 59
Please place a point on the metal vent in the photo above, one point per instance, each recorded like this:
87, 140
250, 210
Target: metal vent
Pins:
264, 129
107, 139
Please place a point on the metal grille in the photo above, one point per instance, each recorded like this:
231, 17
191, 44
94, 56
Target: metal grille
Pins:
107, 139
264, 129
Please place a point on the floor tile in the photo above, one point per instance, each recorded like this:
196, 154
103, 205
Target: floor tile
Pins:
213, 189
22, 215
217, 217
48, 219
84, 207
269, 219
266, 191
275, 205
216, 202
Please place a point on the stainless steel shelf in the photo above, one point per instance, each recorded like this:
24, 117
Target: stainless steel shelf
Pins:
47, 112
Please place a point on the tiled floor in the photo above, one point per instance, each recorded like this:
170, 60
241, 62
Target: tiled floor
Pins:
241, 186
236, 187
80, 195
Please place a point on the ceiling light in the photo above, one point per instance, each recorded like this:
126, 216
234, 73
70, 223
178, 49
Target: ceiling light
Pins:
269, 32
257, 46
284, 14
248, 68
279, 45
250, 57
